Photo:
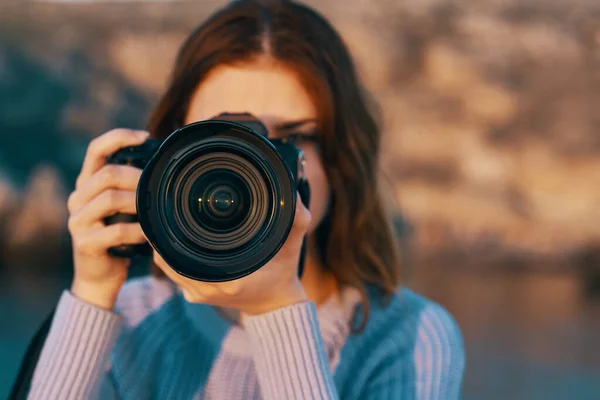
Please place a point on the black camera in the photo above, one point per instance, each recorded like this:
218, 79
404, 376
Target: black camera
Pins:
217, 198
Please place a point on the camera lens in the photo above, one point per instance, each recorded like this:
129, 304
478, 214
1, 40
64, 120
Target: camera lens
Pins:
201, 203
220, 200
217, 201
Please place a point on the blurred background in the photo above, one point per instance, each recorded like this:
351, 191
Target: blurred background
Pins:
492, 152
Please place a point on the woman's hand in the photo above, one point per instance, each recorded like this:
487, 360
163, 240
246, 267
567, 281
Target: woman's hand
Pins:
273, 286
100, 191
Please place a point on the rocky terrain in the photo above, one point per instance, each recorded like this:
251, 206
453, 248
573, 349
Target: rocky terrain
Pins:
491, 113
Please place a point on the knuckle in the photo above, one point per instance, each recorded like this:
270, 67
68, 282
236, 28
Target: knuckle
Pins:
305, 216
307, 219
71, 202
232, 288
94, 146
120, 232
120, 134
72, 224
302, 223
212, 293
208, 291
111, 199
110, 174
82, 245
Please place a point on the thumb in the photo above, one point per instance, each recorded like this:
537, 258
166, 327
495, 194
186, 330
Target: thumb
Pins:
301, 220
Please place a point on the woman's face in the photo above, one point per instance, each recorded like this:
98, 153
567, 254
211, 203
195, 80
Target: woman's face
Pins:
273, 94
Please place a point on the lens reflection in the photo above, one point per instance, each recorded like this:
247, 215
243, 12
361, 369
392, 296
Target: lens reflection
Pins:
222, 200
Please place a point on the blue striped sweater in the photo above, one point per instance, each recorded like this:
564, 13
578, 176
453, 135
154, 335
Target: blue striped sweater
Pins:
155, 344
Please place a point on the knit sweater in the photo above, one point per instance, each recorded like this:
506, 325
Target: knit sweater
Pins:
156, 345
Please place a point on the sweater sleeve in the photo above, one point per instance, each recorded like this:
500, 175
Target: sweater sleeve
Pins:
74, 356
289, 354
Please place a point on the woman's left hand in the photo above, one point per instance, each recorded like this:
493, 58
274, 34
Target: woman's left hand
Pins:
273, 286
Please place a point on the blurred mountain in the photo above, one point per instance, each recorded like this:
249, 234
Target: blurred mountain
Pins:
491, 109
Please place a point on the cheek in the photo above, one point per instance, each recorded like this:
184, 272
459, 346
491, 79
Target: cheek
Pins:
319, 188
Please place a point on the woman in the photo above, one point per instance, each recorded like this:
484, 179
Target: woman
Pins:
345, 330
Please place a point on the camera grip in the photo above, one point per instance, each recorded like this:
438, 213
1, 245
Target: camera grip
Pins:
136, 156
127, 250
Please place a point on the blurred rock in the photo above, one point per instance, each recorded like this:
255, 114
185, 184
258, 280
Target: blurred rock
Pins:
8, 203
35, 232
145, 59
589, 268
8, 195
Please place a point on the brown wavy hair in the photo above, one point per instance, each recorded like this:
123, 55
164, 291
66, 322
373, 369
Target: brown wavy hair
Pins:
355, 240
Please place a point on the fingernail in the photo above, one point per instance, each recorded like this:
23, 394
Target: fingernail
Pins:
142, 134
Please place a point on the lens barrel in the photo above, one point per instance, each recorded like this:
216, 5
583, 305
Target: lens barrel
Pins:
216, 201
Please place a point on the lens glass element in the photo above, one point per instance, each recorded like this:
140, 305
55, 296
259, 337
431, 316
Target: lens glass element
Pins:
220, 200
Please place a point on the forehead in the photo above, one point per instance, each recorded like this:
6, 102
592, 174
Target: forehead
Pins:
269, 91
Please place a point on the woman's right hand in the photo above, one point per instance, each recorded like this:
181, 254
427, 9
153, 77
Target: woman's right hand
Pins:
102, 190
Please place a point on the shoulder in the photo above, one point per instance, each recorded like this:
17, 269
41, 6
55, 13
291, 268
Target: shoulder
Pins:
439, 348
435, 329
414, 318
439, 356
421, 335
141, 297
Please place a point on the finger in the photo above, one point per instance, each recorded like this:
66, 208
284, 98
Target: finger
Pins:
231, 288
122, 177
107, 203
192, 298
164, 267
170, 272
98, 241
197, 288
103, 146
160, 262
179, 280
302, 218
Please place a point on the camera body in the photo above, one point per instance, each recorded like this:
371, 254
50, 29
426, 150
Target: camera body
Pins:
216, 199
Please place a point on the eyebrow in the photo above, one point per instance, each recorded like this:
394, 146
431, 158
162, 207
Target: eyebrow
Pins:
286, 126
